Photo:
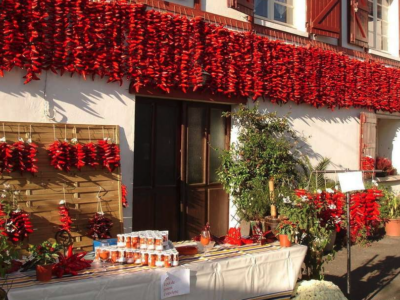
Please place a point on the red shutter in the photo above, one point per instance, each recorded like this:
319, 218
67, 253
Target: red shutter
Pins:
244, 6
358, 22
324, 17
368, 123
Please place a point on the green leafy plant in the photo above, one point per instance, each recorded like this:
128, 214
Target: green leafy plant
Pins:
310, 178
309, 232
265, 150
43, 254
389, 204
286, 227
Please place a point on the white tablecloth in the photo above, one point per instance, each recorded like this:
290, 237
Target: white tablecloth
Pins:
266, 273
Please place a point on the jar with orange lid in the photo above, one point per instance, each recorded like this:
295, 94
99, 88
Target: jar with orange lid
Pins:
159, 243
130, 256
120, 240
145, 258
143, 242
97, 253
152, 260
150, 242
114, 254
167, 260
135, 241
128, 241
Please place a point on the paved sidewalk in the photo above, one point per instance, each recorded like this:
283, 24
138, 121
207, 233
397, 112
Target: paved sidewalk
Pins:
375, 270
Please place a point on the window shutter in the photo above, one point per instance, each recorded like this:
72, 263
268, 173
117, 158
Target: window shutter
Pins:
368, 123
359, 22
244, 6
324, 17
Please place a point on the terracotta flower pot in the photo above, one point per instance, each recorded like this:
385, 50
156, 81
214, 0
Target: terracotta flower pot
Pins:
43, 272
284, 240
392, 227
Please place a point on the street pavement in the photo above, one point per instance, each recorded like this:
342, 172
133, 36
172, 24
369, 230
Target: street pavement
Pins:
375, 270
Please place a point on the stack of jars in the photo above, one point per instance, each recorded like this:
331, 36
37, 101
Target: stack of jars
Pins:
144, 248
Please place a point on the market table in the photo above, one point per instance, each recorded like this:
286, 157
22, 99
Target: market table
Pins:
245, 272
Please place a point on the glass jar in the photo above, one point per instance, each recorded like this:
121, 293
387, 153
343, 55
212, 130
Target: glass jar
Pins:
114, 254
130, 256
150, 243
143, 242
145, 259
152, 260
175, 259
138, 258
135, 241
167, 260
128, 241
120, 240
159, 243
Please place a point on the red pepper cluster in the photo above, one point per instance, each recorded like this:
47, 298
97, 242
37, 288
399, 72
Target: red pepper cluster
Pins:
234, 237
330, 205
65, 156
108, 155
5, 158
367, 164
124, 193
116, 39
71, 264
99, 227
3, 217
364, 212
65, 218
24, 157
18, 226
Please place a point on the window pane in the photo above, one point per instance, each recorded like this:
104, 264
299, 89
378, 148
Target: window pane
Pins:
379, 12
385, 43
384, 28
370, 7
142, 152
283, 13
166, 127
217, 141
385, 13
262, 8
195, 152
289, 2
378, 42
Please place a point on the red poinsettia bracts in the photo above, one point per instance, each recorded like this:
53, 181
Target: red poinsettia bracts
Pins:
117, 40
99, 227
124, 193
5, 158
18, 226
108, 155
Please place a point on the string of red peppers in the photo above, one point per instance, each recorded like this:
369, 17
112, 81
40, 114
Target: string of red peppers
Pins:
116, 39
124, 194
99, 226
19, 156
71, 264
65, 218
64, 156
18, 226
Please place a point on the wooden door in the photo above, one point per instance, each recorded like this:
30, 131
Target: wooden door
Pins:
203, 197
156, 166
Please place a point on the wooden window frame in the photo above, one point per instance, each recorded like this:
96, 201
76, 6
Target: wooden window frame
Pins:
375, 21
271, 12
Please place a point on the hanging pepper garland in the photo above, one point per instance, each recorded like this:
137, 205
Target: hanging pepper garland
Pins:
5, 155
18, 226
108, 155
65, 218
124, 194
99, 226
116, 40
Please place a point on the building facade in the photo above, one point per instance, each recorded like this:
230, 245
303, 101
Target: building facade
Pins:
166, 139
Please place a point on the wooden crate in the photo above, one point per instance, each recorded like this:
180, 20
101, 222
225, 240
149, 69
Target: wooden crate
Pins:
42, 192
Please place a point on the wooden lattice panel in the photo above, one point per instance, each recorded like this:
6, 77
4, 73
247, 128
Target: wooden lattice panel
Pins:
42, 192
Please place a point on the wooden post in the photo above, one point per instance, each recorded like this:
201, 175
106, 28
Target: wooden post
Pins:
272, 198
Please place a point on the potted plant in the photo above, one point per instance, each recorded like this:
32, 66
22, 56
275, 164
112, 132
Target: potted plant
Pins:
43, 258
264, 151
285, 231
385, 165
390, 212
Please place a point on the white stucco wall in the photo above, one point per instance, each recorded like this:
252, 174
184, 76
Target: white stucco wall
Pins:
75, 101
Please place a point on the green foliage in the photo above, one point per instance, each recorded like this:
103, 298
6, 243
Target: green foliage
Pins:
9, 198
265, 149
310, 179
310, 233
43, 254
286, 228
389, 204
